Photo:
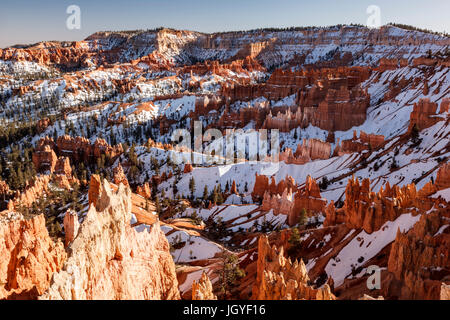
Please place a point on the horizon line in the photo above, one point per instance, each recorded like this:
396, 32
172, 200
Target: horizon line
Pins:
275, 29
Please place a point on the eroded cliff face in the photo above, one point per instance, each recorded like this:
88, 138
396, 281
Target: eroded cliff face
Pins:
308, 150
426, 113
28, 257
288, 199
203, 290
166, 45
369, 210
358, 145
419, 260
279, 278
443, 177
76, 55
308, 198
69, 149
31, 193
108, 259
269, 79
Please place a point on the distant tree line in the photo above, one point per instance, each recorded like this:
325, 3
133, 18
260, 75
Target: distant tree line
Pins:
412, 28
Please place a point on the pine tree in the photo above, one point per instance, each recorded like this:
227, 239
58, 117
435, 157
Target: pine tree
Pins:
229, 273
295, 242
214, 195
157, 206
303, 218
218, 195
294, 239
324, 184
205, 193
415, 136
192, 187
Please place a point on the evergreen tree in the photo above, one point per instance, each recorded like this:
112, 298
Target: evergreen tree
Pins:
192, 187
229, 273
303, 218
157, 206
415, 136
205, 193
294, 242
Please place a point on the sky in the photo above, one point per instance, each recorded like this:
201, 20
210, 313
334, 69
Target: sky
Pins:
31, 21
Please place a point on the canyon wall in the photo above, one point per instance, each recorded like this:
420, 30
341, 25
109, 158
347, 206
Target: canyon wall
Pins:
28, 256
278, 278
76, 149
425, 114
108, 259
369, 210
287, 199
202, 290
308, 150
419, 259
357, 145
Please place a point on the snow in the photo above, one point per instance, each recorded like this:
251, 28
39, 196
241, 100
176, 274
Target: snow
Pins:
245, 172
233, 199
196, 247
441, 230
445, 194
366, 246
191, 277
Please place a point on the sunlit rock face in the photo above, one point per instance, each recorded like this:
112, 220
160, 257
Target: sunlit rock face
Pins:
202, 290
28, 257
108, 259
278, 278
419, 258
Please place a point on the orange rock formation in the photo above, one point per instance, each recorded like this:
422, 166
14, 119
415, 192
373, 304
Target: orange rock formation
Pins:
109, 259
420, 258
202, 290
280, 279
29, 258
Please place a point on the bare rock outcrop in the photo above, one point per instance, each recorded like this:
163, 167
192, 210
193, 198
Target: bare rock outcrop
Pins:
445, 292
357, 145
119, 175
63, 167
4, 188
443, 177
94, 189
370, 298
109, 259
78, 149
287, 199
419, 259
44, 158
188, 168
308, 150
262, 185
366, 209
31, 193
71, 226
425, 114
144, 191
307, 198
278, 278
28, 258
203, 290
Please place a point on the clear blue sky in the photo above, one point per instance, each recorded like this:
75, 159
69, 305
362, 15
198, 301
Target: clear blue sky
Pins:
29, 21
